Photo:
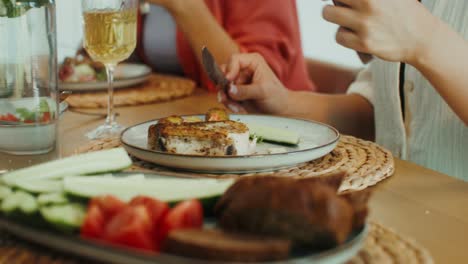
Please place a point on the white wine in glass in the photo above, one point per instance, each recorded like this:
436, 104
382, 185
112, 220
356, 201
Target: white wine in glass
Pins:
110, 35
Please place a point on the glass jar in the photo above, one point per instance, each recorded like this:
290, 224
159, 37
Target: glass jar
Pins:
28, 80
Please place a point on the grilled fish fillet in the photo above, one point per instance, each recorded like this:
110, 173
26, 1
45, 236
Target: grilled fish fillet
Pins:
222, 138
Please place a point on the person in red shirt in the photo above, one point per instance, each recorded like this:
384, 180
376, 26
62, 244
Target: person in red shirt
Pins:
173, 32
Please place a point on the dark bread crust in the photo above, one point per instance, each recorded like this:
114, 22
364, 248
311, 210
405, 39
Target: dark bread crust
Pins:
308, 212
333, 179
359, 201
214, 244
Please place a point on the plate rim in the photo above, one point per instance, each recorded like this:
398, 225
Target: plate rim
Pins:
143, 77
335, 140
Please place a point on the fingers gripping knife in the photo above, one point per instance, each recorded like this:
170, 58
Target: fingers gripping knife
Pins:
216, 75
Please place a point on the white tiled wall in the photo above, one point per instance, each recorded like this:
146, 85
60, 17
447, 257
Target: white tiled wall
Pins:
317, 35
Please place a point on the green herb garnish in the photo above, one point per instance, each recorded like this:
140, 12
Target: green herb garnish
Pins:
255, 137
43, 106
26, 115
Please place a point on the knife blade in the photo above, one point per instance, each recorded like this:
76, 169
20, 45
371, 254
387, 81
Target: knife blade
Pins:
214, 71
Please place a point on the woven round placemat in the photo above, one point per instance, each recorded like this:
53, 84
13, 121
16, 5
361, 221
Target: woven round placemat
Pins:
382, 245
158, 88
17, 251
365, 162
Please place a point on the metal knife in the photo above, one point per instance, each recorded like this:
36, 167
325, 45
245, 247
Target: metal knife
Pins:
214, 71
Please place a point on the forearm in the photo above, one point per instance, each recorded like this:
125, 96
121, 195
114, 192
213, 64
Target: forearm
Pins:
202, 29
330, 78
444, 62
350, 114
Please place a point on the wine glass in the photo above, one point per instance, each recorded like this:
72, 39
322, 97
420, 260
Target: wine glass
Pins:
110, 35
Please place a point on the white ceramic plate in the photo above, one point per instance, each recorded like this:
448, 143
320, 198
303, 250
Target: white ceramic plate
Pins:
316, 140
125, 75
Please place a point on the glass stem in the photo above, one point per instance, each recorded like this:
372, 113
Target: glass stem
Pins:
110, 120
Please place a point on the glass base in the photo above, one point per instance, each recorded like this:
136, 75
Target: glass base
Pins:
106, 131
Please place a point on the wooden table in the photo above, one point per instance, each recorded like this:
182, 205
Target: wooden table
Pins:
428, 206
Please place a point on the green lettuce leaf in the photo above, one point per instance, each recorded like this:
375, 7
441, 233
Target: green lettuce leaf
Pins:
44, 106
25, 114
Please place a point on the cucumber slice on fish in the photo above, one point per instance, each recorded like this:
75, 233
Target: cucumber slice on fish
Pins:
273, 134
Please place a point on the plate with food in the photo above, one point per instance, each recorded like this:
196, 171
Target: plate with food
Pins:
219, 143
81, 74
77, 206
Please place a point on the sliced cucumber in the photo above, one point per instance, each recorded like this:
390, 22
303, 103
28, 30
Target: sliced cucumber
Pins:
85, 164
4, 192
176, 190
52, 199
39, 186
166, 189
273, 134
52, 186
20, 203
91, 180
65, 218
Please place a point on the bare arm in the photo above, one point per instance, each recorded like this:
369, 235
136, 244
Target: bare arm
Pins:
330, 78
351, 114
200, 28
444, 63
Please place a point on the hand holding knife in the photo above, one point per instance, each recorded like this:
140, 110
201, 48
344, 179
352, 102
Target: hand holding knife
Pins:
216, 75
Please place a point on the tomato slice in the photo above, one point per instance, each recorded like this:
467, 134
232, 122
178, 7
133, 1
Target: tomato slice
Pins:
156, 209
109, 205
46, 117
9, 117
185, 215
131, 227
94, 223
65, 72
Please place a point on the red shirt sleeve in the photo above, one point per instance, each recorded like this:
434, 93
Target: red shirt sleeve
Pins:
271, 28
268, 27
